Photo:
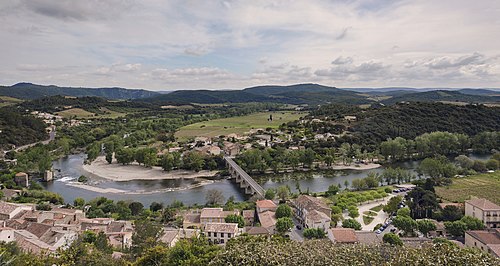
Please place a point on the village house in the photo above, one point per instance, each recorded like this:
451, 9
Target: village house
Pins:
342, 236
312, 212
191, 220
248, 217
10, 210
484, 210
220, 233
22, 179
170, 237
265, 205
208, 150
231, 149
486, 240
257, 231
214, 215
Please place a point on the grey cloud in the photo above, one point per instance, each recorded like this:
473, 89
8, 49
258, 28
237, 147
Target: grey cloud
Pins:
342, 60
446, 62
343, 34
346, 69
78, 10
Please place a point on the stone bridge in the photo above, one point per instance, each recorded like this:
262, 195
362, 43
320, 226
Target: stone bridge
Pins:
243, 179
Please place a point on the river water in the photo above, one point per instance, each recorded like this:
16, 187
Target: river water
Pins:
166, 191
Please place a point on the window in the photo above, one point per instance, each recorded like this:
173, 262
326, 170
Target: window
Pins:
222, 241
215, 234
221, 234
228, 235
209, 234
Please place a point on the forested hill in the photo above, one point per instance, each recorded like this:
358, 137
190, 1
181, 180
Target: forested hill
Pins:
294, 94
33, 91
443, 95
20, 129
409, 120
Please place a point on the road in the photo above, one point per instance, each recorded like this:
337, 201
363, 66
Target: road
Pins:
296, 234
52, 136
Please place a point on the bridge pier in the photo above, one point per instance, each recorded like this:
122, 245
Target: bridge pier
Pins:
243, 179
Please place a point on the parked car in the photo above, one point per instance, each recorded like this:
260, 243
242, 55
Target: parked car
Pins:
396, 191
393, 230
378, 231
299, 227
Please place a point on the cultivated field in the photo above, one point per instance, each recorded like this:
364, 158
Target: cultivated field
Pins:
80, 113
238, 125
482, 186
6, 100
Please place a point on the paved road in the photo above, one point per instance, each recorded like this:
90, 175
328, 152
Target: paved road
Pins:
296, 234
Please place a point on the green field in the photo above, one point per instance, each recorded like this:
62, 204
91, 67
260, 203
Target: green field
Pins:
238, 125
80, 113
482, 186
6, 100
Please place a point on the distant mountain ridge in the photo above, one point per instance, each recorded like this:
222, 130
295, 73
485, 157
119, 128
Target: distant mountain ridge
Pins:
29, 91
292, 94
308, 93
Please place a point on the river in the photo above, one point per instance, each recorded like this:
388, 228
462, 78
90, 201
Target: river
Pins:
167, 191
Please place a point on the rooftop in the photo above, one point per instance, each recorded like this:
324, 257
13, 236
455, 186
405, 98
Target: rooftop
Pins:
221, 227
487, 237
265, 204
267, 219
255, 230
211, 212
7, 208
483, 204
344, 235
311, 203
169, 236
315, 215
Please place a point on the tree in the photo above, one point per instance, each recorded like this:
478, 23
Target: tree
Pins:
333, 189
270, 194
283, 193
125, 156
308, 157
405, 223
237, 219
404, 212
146, 235
425, 226
316, 233
359, 184
456, 228
492, 164
464, 161
283, 210
353, 211
392, 239
452, 213
155, 206
371, 180
214, 197
351, 223
79, 202
479, 166
392, 204
193, 161
473, 223
284, 224
335, 219
136, 207
167, 162
109, 157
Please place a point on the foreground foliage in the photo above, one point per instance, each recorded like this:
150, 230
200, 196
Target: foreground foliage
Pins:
262, 251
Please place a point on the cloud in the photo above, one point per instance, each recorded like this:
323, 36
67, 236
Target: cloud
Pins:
78, 10
224, 43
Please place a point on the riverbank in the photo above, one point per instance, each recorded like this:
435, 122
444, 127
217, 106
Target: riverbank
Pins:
118, 172
136, 192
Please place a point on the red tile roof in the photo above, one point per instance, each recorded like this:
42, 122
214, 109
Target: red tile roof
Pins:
483, 204
344, 235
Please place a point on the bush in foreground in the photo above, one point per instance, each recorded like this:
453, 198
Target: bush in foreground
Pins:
277, 251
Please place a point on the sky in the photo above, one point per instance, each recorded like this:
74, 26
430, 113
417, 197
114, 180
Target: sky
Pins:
185, 44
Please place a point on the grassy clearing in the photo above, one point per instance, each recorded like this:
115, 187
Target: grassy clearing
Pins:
81, 113
367, 219
78, 112
6, 100
482, 186
370, 213
377, 208
238, 125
